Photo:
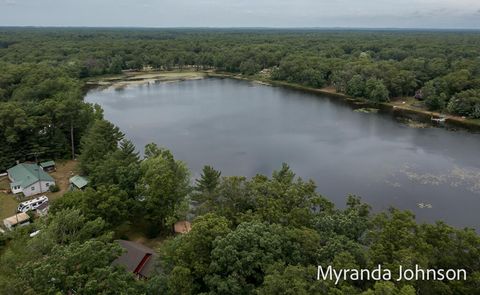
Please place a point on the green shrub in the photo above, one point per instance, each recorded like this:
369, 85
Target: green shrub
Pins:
54, 188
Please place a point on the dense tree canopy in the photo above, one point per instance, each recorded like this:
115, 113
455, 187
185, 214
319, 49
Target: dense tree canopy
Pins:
164, 183
100, 140
72, 254
264, 235
249, 243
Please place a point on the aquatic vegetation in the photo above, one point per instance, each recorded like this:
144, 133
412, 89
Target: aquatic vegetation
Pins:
413, 124
393, 183
423, 178
456, 177
465, 177
367, 110
424, 206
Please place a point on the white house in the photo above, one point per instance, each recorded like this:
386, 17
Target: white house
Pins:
29, 179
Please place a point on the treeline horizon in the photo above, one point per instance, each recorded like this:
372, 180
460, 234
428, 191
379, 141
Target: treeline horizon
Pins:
243, 28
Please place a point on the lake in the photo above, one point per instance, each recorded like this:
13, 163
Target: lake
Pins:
243, 128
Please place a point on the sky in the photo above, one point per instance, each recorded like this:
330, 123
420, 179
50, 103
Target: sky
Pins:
243, 13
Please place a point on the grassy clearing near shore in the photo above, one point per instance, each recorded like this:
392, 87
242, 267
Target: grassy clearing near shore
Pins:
137, 78
410, 102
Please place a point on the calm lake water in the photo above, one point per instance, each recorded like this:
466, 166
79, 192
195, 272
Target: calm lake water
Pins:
242, 128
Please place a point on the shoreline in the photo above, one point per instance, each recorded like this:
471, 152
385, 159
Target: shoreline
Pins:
415, 114
140, 78
129, 78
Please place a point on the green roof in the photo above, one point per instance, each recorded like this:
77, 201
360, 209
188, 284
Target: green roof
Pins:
79, 181
47, 164
26, 174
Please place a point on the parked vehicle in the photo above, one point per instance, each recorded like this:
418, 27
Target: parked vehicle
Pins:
34, 233
32, 204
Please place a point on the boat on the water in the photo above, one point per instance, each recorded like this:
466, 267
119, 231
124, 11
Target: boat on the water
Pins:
424, 206
439, 120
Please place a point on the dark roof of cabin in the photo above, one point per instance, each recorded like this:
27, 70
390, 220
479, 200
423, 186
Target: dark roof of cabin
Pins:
135, 255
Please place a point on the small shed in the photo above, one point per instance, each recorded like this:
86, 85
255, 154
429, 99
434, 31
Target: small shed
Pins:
42, 210
182, 227
48, 166
78, 182
19, 219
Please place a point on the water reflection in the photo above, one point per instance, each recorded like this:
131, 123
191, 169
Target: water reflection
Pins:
243, 128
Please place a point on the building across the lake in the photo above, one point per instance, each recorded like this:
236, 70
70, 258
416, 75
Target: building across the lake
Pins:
137, 258
29, 179
19, 219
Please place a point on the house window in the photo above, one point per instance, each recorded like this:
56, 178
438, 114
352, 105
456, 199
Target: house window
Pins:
47, 184
33, 188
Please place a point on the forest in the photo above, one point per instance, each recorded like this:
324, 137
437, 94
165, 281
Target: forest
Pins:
263, 235
43, 71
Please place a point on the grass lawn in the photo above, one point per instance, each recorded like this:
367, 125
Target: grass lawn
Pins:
408, 102
8, 203
475, 121
65, 170
8, 206
4, 183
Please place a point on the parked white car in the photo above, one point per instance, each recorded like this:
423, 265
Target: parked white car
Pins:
32, 204
34, 233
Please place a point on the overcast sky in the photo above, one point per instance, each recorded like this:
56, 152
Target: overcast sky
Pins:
243, 13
